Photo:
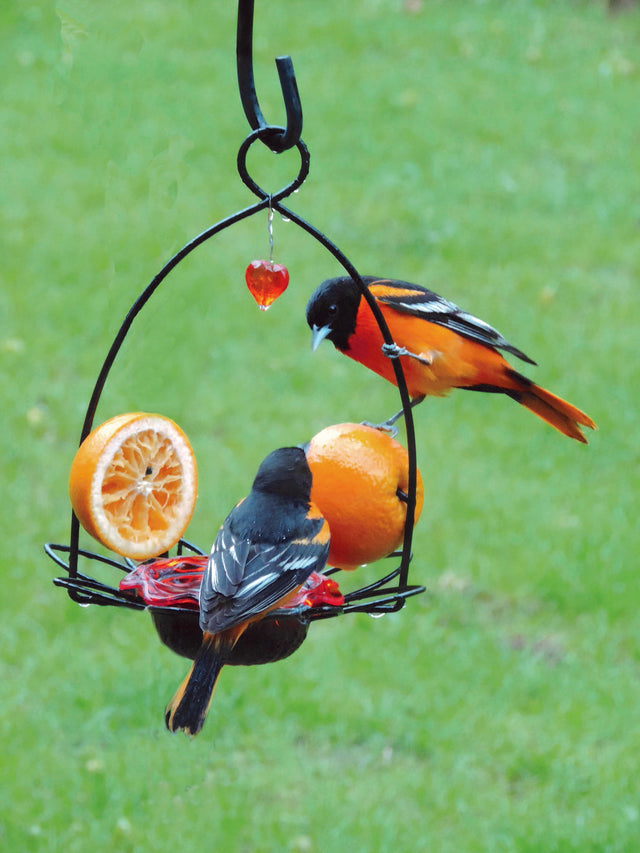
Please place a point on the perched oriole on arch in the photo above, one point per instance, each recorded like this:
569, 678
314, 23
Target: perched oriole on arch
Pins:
440, 346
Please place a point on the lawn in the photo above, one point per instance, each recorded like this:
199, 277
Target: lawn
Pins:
488, 150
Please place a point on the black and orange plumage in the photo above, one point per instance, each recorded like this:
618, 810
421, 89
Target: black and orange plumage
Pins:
265, 550
440, 346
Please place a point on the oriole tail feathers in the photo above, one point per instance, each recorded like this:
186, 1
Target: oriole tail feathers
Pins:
188, 709
552, 409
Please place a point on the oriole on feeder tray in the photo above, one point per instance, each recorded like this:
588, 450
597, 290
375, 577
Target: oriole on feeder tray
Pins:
265, 550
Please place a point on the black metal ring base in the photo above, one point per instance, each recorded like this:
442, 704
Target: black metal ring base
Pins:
379, 597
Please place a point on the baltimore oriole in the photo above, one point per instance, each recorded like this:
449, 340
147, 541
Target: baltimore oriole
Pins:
265, 550
441, 346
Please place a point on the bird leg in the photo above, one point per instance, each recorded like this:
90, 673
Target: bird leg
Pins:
389, 425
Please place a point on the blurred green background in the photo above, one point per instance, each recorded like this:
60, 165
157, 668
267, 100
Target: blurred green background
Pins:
488, 150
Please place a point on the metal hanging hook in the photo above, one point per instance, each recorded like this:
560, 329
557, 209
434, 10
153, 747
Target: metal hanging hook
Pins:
287, 137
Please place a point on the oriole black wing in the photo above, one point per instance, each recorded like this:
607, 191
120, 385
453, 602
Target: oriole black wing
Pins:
244, 579
412, 299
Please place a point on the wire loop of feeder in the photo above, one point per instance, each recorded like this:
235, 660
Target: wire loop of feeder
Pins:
389, 593
264, 134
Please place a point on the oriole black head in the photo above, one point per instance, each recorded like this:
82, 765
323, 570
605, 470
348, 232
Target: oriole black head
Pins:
332, 311
285, 472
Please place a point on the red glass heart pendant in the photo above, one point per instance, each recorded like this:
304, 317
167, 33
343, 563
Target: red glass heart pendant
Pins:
266, 281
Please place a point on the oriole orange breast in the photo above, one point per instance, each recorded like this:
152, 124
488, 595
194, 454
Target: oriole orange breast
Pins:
267, 547
440, 346
448, 359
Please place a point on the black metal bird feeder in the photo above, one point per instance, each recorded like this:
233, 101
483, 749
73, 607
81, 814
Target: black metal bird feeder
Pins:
389, 593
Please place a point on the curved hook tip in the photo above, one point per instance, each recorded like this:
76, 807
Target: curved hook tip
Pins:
277, 142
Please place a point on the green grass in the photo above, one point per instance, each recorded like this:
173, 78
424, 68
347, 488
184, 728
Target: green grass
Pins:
486, 149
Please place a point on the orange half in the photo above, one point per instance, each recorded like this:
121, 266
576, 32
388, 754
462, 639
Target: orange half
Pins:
133, 484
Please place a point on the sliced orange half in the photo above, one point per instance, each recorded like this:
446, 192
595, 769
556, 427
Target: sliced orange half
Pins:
133, 484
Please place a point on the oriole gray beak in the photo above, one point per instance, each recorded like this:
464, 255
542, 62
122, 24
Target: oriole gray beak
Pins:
319, 333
